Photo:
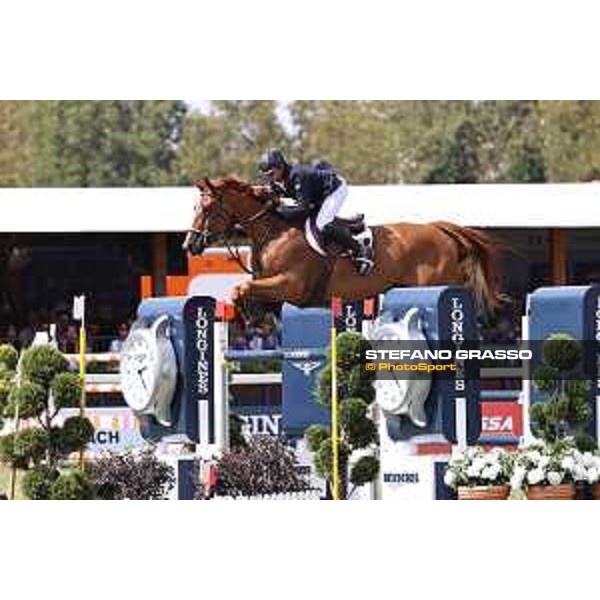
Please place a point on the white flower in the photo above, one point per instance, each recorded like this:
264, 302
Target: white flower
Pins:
479, 463
535, 476
568, 463
487, 473
579, 473
472, 452
473, 472
554, 477
592, 475
491, 472
588, 459
450, 478
534, 456
543, 462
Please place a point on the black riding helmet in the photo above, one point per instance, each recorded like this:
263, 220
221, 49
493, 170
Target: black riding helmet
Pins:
272, 159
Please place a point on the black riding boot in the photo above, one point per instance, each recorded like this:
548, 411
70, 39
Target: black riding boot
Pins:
333, 232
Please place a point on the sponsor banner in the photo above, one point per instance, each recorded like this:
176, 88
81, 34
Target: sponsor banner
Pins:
349, 317
258, 420
407, 477
199, 324
501, 419
115, 429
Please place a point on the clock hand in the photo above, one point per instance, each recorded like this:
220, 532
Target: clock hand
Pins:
143, 380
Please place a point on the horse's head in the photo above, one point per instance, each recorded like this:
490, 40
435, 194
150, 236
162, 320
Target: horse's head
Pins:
207, 216
222, 210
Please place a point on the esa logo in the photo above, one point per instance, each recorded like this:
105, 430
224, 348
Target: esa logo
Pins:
496, 424
401, 478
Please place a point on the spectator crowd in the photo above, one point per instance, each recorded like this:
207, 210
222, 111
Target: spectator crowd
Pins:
244, 333
106, 336
102, 336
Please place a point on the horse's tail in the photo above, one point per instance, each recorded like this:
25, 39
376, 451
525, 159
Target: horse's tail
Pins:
480, 259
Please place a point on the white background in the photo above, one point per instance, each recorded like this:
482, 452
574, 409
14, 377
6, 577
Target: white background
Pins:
306, 49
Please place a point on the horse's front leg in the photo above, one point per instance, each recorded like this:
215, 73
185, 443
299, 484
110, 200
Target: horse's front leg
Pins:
268, 290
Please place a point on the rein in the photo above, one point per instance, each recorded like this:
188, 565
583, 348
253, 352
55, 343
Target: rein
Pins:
232, 248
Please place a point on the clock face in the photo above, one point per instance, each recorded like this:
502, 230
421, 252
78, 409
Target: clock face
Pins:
138, 369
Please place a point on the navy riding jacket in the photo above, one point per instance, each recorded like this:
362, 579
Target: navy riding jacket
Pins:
309, 185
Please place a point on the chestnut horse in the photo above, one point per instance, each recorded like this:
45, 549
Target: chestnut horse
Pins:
287, 269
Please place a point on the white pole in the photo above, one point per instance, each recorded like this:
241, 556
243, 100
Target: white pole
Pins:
221, 387
525, 397
597, 419
461, 422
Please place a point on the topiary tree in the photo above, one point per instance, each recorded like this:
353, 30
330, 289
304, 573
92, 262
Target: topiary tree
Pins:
8, 364
38, 481
44, 386
358, 432
8, 357
565, 410
72, 485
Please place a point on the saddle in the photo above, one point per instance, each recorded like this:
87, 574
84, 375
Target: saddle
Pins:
355, 223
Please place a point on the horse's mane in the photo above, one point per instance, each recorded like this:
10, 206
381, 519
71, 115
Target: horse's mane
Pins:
233, 182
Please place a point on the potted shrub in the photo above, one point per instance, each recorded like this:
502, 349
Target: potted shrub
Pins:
562, 462
550, 471
563, 411
477, 474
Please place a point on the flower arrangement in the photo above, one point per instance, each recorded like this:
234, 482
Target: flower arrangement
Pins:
476, 467
553, 465
549, 470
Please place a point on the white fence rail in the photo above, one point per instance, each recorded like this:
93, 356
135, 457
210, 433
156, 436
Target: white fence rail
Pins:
307, 495
110, 383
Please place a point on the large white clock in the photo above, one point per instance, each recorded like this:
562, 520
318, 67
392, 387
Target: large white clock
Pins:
403, 395
149, 370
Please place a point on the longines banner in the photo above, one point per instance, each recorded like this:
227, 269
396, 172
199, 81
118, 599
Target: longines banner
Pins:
199, 324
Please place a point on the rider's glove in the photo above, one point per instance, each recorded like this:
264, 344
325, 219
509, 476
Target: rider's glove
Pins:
276, 189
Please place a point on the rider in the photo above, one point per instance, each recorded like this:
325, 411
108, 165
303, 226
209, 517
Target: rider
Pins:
316, 189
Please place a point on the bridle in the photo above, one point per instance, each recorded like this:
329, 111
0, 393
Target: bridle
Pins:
233, 226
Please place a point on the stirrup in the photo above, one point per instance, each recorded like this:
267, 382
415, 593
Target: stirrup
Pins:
363, 265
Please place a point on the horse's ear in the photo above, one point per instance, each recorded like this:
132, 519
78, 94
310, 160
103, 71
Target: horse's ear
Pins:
204, 185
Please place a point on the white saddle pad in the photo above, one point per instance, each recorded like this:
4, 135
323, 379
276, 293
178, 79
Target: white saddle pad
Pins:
312, 236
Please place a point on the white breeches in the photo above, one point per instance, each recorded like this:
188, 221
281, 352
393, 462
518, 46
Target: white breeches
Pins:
332, 205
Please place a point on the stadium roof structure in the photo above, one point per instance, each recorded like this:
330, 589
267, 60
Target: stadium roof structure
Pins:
170, 209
